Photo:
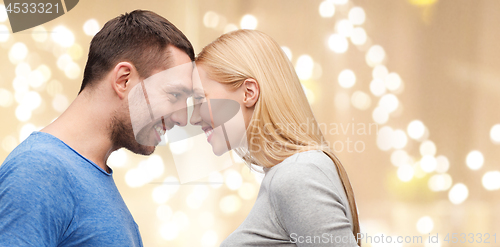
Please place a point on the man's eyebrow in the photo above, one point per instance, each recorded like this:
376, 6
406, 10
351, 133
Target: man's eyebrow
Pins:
182, 88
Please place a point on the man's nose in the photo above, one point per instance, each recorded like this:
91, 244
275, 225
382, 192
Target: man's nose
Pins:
195, 116
179, 117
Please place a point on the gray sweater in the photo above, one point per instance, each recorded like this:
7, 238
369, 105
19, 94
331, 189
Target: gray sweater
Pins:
301, 202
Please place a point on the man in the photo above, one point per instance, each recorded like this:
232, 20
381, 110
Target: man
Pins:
55, 187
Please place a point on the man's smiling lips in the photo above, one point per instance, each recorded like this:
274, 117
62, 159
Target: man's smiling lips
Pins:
160, 128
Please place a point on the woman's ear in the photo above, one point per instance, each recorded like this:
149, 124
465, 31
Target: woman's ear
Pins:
122, 75
252, 91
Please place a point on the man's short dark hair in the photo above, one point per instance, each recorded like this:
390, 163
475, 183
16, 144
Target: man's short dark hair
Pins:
139, 37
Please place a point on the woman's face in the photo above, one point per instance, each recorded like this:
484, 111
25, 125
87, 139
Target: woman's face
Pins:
208, 96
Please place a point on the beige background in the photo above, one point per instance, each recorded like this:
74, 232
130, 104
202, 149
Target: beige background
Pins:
445, 51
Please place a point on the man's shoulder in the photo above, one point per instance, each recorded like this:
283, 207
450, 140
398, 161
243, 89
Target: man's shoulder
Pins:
35, 156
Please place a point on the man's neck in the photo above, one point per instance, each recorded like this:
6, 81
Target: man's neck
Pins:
84, 126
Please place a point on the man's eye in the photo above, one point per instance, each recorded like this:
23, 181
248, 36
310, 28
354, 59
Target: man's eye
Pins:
176, 95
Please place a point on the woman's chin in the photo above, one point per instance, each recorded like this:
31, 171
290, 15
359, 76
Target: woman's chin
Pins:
219, 150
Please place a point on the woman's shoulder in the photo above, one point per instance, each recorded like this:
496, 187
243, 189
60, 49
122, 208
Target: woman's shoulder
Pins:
302, 170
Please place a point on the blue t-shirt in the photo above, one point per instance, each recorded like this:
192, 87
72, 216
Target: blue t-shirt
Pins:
52, 196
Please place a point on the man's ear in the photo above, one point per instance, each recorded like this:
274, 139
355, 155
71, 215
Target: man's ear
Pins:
252, 91
121, 78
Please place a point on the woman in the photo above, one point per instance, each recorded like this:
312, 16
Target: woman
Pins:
305, 198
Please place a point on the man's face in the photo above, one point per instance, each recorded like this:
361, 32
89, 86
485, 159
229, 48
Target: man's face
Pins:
159, 102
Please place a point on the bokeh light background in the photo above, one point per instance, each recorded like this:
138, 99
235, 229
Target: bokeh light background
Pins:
424, 73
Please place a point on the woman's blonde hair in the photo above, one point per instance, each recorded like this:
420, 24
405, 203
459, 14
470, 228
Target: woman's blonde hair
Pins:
282, 123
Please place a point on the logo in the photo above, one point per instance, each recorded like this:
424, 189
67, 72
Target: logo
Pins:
25, 14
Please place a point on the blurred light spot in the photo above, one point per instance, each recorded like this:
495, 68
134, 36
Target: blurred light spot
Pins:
211, 19
287, 51
23, 69
347, 78
216, 179
458, 193
72, 70
63, 36
339, 2
26, 131
342, 100
209, 238
4, 33
172, 183
18, 52
495, 134
91, 27
181, 219
416, 129
6, 98
117, 158
377, 87
20, 84
60, 102
380, 115
475, 160
230, 204
380, 72
375, 55
169, 231
36, 79
317, 71
393, 82
63, 61
196, 198
384, 138
304, 67
423, 2
344, 27
248, 22
54, 88
247, 191
206, 219
326, 9
357, 16
39, 34
9, 143
3, 13
389, 102
440, 182
46, 72
233, 179
361, 100
399, 139
309, 95
442, 164
160, 194
338, 43
428, 148
399, 157
164, 212
23, 113
32, 100
405, 172
428, 163
230, 27
358, 36
181, 147
425, 225
75, 52
491, 180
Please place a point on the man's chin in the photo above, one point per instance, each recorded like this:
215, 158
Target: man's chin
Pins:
144, 150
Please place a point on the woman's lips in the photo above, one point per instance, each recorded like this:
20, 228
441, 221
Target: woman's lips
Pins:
208, 132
